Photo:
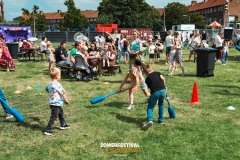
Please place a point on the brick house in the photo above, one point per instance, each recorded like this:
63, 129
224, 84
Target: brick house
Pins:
53, 18
217, 10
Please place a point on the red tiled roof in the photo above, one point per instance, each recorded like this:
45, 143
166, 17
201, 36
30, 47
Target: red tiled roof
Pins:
90, 13
207, 4
56, 15
53, 15
161, 10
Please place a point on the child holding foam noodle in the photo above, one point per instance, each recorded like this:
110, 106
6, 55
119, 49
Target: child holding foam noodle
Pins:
156, 83
56, 99
136, 80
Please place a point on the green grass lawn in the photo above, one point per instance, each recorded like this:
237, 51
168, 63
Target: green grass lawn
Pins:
206, 131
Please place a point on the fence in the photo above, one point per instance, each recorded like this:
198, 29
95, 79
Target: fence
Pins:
68, 35
65, 36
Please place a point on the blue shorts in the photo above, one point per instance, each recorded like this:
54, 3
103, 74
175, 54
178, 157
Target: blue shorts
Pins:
143, 85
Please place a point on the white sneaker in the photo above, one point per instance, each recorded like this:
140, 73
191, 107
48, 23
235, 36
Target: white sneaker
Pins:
169, 68
131, 106
146, 126
8, 116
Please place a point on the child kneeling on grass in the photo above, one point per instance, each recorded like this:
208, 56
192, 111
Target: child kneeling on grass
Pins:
56, 99
156, 83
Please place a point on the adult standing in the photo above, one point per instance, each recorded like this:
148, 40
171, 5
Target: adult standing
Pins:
135, 48
204, 37
121, 44
169, 41
194, 43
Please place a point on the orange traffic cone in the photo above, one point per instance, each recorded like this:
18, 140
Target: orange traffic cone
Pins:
195, 95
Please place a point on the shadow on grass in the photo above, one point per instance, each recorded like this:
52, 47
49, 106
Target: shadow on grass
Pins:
137, 121
118, 105
225, 92
39, 126
93, 106
233, 58
224, 86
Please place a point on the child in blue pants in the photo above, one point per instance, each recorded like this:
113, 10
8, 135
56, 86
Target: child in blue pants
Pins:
156, 83
225, 52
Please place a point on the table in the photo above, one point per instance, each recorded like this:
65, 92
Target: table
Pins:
29, 51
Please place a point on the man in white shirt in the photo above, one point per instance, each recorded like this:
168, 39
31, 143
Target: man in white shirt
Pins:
43, 45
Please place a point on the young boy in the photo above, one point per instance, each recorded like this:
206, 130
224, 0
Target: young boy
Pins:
56, 99
156, 83
151, 52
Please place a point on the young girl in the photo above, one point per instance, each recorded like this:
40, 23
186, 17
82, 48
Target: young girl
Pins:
177, 58
106, 54
151, 52
136, 79
50, 54
225, 52
158, 50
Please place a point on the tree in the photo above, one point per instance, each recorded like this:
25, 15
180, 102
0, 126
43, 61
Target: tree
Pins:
73, 19
28, 19
105, 19
177, 13
131, 13
197, 19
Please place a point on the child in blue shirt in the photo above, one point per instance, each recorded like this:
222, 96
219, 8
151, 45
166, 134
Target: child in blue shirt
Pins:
56, 99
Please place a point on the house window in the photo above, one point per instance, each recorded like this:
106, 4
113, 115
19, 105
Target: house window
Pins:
220, 21
210, 10
215, 9
220, 8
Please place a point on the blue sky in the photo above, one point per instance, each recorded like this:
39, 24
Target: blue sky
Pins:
13, 7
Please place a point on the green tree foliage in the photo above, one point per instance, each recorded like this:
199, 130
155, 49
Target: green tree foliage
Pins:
177, 13
174, 13
131, 13
197, 19
105, 19
40, 22
73, 19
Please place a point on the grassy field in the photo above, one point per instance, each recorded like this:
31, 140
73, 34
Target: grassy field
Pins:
206, 131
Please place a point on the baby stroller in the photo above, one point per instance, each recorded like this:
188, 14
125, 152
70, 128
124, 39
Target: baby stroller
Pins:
87, 72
